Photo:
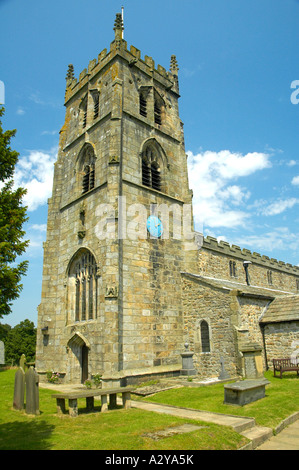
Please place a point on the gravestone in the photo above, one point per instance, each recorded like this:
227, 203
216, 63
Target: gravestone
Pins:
187, 362
244, 391
32, 392
252, 360
2, 353
19, 389
22, 362
223, 374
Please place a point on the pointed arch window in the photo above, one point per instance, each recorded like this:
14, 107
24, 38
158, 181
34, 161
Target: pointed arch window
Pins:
82, 283
88, 178
158, 108
205, 337
96, 100
142, 104
87, 168
83, 112
151, 168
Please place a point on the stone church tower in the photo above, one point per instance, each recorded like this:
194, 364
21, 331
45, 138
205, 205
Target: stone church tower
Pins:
126, 280
112, 288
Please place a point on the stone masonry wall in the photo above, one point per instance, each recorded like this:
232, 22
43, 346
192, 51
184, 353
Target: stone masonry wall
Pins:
214, 261
282, 340
213, 306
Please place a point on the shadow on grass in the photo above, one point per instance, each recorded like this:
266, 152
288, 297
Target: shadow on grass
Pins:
96, 409
32, 435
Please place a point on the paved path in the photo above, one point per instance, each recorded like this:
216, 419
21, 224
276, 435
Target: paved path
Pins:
287, 439
261, 437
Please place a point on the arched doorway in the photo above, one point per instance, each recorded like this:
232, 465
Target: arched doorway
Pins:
84, 363
78, 351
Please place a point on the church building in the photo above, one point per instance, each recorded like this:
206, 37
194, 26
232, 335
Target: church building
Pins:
127, 282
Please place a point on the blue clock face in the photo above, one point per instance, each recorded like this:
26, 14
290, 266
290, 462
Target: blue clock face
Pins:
154, 226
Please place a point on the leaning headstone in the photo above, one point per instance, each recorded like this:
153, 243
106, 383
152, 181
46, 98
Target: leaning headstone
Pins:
19, 389
2, 353
32, 392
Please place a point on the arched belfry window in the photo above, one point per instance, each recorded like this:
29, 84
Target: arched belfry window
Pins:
83, 112
205, 337
159, 108
142, 104
82, 287
87, 168
88, 178
152, 165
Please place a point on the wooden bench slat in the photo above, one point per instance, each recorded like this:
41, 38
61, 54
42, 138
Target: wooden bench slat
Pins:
285, 365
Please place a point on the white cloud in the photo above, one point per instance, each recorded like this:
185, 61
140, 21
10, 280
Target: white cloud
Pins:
279, 206
39, 227
35, 173
20, 111
214, 197
280, 238
50, 132
295, 180
37, 99
292, 163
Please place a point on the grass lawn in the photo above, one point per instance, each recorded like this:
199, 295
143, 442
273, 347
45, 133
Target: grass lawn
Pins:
115, 430
282, 400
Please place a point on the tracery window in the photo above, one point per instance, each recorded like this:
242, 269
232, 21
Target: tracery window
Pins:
87, 168
83, 112
158, 108
82, 283
96, 99
88, 178
142, 104
151, 168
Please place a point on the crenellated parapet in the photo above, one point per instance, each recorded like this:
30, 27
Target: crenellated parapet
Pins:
169, 79
234, 251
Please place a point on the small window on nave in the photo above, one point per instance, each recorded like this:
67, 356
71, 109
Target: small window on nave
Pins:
205, 337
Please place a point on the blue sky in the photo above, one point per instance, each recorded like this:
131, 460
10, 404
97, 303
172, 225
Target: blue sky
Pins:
238, 61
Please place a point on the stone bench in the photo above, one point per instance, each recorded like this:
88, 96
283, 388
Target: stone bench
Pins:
89, 395
245, 391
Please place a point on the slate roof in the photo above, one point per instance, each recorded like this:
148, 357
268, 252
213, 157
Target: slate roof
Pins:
285, 308
243, 289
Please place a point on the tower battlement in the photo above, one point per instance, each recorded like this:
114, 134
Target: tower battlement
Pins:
235, 251
133, 57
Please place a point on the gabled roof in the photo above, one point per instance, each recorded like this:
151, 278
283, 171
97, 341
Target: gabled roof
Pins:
284, 308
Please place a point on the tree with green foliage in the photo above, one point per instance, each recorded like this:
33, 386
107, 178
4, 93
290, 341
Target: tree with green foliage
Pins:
12, 218
21, 339
4, 329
